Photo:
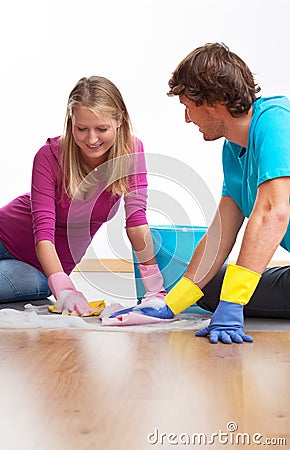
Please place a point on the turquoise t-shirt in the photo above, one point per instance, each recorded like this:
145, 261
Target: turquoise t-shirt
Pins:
267, 155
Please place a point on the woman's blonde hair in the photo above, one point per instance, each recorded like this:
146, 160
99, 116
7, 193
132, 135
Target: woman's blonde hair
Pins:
100, 95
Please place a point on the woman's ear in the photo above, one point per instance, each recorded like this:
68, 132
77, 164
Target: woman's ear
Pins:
120, 121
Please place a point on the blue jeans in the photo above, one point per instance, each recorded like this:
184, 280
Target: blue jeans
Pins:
20, 281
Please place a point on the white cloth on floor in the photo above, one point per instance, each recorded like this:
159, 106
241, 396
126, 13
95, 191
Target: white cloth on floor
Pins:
12, 318
35, 317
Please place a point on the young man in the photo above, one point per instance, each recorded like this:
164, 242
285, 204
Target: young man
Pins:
219, 94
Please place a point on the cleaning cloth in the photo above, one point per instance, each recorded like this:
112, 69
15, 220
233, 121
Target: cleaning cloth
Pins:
97, 307
134, 317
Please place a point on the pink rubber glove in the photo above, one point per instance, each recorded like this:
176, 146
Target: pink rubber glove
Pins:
153, 282
68, 298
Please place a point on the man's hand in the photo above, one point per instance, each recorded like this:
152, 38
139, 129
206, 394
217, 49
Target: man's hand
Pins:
184, 294
153, 308
226, 325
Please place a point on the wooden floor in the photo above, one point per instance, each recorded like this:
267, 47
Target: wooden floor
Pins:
88, 390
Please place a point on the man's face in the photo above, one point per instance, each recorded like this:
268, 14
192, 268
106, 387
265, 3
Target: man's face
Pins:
205, 117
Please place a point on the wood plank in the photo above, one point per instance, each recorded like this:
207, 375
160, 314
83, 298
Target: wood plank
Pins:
105, 265
76, 389
122, 265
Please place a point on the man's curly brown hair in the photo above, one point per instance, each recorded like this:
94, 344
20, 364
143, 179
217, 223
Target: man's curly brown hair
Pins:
211, 74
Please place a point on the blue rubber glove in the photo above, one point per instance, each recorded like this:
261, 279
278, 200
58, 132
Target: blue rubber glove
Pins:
226, 325
153, 308
122, 311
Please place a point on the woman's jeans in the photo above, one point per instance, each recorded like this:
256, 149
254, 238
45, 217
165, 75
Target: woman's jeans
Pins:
20, 281
271, 298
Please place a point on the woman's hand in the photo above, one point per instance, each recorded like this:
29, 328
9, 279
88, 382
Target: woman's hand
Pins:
73, 302
68, 298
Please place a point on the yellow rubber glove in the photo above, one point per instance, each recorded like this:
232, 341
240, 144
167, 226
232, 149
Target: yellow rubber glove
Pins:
239, 284
184, 294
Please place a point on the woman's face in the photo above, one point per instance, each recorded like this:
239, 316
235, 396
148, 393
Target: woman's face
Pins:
94, 134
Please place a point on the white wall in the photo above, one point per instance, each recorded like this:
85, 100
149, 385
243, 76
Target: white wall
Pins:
47, 46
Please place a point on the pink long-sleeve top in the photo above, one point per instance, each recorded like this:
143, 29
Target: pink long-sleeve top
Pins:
47, 213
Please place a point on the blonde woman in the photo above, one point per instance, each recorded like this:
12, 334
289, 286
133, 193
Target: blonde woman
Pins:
78, 180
